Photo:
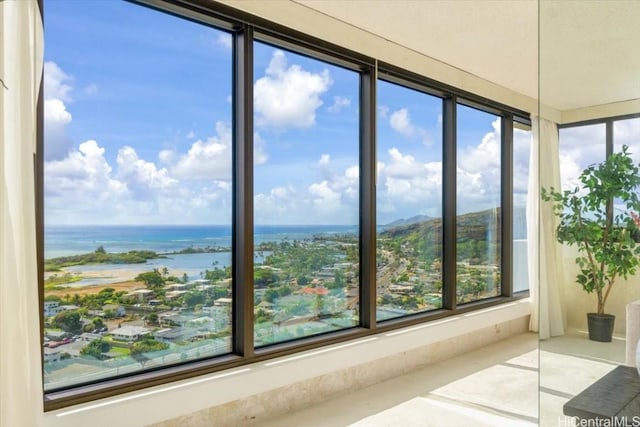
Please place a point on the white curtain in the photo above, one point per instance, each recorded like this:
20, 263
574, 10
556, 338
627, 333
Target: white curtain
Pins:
546, 274
21, 59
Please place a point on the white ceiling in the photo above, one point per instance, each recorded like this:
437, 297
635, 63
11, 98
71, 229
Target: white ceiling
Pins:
495, 40
589, 51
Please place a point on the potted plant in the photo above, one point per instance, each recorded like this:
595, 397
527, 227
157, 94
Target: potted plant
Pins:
599, 218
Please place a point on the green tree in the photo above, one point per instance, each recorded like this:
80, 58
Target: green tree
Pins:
97, 323
148, 344
69, 321
338, 280
152, 318
151, 279
76, 299
100, 250
95, 348
263, 277
191, 299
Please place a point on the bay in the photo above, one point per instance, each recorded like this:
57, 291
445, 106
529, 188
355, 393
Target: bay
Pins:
73, 240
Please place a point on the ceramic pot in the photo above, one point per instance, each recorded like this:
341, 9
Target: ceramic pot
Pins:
600, 326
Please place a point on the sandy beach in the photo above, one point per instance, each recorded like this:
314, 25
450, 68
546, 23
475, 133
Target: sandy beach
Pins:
94, 289
120, 280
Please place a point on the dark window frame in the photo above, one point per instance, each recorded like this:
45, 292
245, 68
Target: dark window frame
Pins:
609, 123
245, 29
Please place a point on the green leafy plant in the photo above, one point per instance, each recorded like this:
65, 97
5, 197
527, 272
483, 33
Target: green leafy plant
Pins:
603, 235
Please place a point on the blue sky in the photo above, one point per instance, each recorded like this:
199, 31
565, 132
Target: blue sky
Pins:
138, 129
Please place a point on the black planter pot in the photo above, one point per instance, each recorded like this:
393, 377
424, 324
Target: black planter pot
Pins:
600, 326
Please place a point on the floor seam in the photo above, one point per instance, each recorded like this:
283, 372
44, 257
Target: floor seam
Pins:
487, 408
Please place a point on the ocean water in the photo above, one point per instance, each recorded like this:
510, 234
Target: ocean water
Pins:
72, 240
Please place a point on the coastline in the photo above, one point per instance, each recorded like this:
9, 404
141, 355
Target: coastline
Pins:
120, 280
129, 285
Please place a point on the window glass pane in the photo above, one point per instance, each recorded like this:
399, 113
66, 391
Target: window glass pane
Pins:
580, 147
409, 202
306, 185
137, 191
521, 155
478, 205
625, 132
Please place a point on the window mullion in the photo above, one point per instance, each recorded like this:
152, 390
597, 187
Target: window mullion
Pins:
506, 209
449, 204
609, 138
368, 199
243, 192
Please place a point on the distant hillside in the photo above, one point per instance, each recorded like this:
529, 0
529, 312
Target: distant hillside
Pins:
413, 220
471, 226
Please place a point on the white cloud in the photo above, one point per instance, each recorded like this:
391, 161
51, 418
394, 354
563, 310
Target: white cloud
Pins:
288, 96
625, 132
167, 157
281, 202
403, 166
325, 198
224, 40
81, 186
408, 185
579, 147
210, 159
55, 82
191, 134
383, 111
81, 180
143, 178
339, 103
331, 198
400, 121
56, 118
486, 155
84, 189
260, 156
479, 172
521, 159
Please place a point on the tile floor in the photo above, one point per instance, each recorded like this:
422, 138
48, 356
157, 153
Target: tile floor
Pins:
516, 382
496, 385
568, 365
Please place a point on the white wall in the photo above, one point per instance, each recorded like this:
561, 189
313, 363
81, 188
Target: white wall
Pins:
578, 303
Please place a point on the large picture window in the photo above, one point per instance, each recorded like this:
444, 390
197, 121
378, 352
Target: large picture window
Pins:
479, 185
580, 146
521, 161
137, 183
587, 143
218, 191
306, 203
409, 201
